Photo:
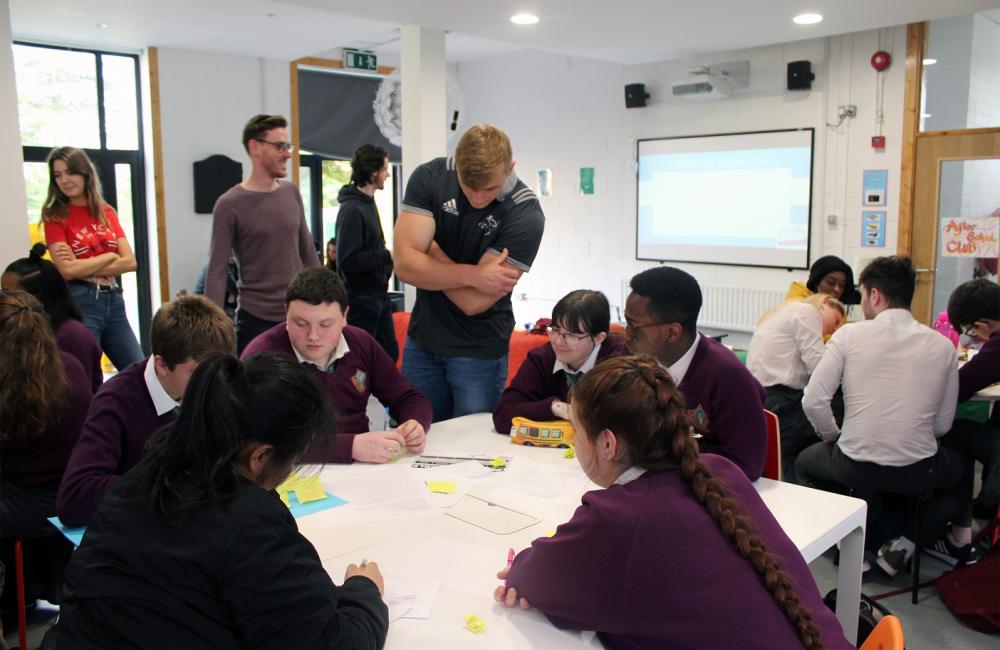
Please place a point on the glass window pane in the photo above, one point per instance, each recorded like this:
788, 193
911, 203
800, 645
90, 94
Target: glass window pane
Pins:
123, 181
120, 110
336, 174
305, 189
961, 66
56, 97
36, 183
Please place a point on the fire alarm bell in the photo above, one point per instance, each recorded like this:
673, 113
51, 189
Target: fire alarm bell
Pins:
878, 142
881, 60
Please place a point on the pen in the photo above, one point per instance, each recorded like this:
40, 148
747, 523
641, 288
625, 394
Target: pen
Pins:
510, 560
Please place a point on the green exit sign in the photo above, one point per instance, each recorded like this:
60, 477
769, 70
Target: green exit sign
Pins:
360, 60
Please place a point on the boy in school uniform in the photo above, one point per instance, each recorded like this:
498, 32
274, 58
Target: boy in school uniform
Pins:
140, 400
351, 366
726, 403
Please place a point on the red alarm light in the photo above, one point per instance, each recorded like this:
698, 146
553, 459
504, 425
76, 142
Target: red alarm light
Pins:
881, 60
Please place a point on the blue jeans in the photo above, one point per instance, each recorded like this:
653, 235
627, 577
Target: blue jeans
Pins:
373, 314
455, 386
104, 315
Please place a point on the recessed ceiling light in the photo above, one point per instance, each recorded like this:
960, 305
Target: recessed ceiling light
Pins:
102, 25
807, 19
524, 19
930, 61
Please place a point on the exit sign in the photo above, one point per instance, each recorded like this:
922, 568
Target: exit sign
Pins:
360, 60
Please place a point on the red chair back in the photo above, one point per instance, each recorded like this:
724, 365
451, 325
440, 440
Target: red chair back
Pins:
772, 461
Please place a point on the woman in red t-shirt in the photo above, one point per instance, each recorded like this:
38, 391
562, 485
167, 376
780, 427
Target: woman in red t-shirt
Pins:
89, 248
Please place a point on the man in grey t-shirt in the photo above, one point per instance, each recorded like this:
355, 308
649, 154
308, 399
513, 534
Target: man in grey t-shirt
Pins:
262, 221
467, 230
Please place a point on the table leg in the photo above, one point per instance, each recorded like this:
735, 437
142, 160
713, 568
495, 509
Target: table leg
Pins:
852, 549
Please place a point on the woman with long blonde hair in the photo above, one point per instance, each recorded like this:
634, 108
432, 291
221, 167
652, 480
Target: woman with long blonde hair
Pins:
90, 249
44, 397
677, 550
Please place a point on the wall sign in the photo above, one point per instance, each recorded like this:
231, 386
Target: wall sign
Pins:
873, 228
874, 185
971, 237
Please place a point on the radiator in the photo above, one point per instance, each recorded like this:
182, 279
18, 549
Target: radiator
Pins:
736, 308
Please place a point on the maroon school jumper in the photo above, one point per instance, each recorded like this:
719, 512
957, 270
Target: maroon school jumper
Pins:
73, 337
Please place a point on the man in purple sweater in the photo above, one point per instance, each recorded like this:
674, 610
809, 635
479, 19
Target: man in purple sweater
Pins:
351, 366
140, 400
974, 308
262, 222
725, 401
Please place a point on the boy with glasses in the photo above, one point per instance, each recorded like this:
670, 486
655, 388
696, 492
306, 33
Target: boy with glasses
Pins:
725, 402
262, 222
578, 341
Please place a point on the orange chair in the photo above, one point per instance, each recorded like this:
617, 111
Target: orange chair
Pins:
887, 635
772, 461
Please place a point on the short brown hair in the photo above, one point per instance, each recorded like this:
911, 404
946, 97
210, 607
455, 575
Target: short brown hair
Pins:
259, 125
483, 151
191, 327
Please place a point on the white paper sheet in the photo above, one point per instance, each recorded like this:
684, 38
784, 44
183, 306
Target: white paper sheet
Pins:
375, 493
411, 597
466, 476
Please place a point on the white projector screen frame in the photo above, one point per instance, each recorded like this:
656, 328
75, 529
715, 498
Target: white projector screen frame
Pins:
763, 177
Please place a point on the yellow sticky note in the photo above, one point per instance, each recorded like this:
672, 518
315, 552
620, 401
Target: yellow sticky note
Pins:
442, 487
306, 488
475, 624
570, 453
498, 463
550, 533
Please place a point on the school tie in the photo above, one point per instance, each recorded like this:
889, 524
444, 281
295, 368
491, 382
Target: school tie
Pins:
571, 378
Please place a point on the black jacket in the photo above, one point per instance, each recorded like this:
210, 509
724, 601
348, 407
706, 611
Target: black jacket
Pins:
233, 575
363, 261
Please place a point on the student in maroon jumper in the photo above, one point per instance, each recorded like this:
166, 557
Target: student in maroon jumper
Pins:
692, 557
42, 279
139, 400
578, 340
351, 366
44, 395
725, 401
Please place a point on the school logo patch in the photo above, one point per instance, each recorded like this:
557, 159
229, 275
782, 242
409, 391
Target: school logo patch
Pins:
699, 418
360, 381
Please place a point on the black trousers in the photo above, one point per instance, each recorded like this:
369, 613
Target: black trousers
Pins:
981, 442
797, 432
943, 476
373, 313
249, 327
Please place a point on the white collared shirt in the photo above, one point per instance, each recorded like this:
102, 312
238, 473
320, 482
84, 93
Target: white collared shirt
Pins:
787, 347
680, 367
629, 475
162, 402
900, 381
338, 352
587, 365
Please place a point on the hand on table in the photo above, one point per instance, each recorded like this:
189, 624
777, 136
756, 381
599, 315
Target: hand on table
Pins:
560, 410
377, 446
368, 570
414, 436
507, 596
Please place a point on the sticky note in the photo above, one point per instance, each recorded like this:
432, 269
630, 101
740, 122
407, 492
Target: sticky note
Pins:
498, 463
306, 489
570, 453
442, 487
475, 624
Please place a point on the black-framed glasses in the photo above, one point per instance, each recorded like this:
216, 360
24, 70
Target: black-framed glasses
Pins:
557, 333
971, 330
280, 146
634, 326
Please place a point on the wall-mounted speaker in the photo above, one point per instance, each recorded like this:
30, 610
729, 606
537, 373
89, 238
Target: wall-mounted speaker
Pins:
635, 95
800, 76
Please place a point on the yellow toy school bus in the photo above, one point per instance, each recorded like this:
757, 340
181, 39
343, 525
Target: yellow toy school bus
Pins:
532, 433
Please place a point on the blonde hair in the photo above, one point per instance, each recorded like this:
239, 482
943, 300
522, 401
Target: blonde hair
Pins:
482, 152
56, 205
817, 300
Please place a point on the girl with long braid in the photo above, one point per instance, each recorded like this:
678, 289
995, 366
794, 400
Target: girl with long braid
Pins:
678, 550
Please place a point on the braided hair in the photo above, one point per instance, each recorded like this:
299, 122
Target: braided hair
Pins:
636, 398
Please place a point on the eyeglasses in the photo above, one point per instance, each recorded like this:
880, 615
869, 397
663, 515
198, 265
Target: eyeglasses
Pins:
633, 326
971, 330
556, 334
280, 146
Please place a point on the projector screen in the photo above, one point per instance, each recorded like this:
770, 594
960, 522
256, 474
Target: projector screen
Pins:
739, 198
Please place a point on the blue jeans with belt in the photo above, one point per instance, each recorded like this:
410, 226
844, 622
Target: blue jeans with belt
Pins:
455, 386
104, 315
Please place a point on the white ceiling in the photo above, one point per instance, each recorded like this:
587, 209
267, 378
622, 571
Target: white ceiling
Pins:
623, 31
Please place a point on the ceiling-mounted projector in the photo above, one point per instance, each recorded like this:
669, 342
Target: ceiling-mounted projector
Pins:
713, 82
703, 87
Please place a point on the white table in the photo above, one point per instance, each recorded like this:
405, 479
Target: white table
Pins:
989, 394
466, 558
